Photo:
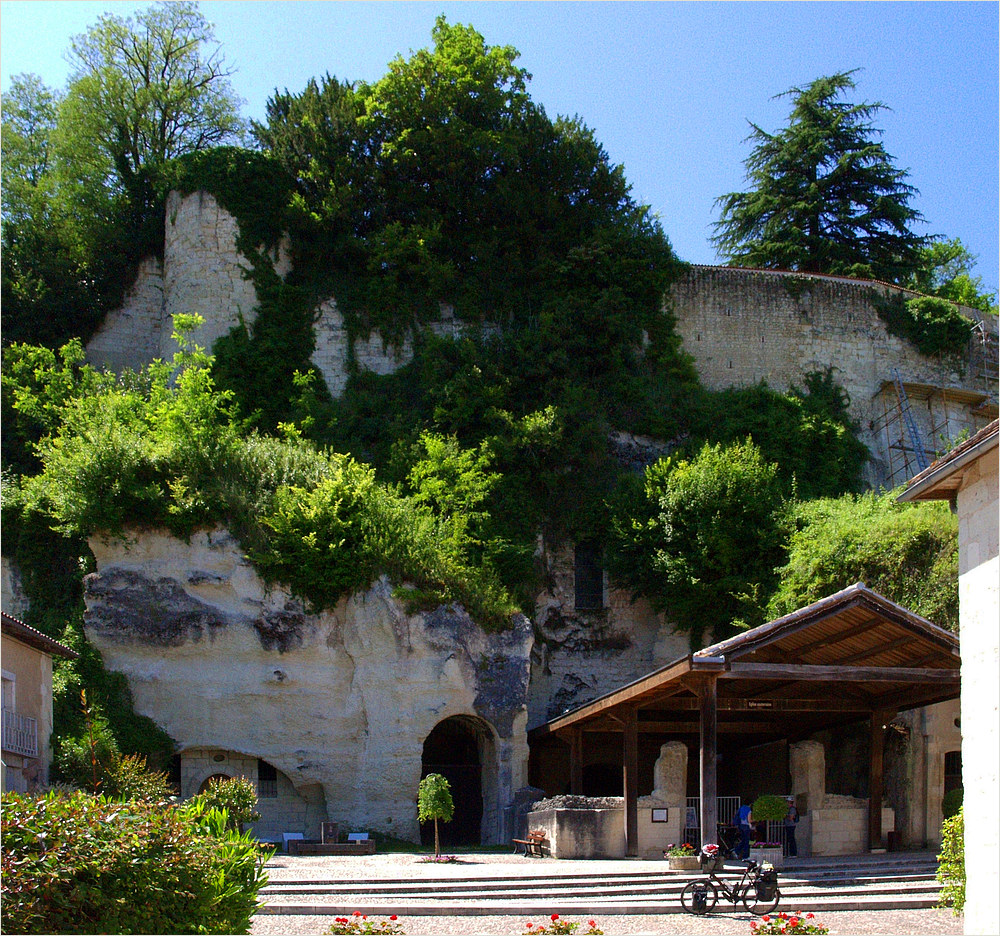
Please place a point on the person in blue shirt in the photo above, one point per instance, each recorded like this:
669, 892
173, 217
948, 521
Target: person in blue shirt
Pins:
744, 822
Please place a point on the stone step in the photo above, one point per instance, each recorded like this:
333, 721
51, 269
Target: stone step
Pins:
610, 907
577, 887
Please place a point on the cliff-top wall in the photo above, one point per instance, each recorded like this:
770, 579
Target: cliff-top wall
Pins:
740, 326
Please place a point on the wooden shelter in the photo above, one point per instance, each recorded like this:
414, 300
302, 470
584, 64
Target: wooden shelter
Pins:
850, 657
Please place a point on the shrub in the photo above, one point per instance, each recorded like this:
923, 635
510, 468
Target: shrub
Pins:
560, 927
236, 795
82, 864
131, 778
434, 802
769, 808
952, 803
951, 862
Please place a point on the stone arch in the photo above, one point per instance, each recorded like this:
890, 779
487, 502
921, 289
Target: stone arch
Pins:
463, 748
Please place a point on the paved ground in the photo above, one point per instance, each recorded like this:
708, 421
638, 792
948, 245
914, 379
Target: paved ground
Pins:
395, 866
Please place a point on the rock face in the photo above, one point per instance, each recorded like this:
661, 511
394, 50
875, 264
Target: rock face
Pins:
739, 326
341, 701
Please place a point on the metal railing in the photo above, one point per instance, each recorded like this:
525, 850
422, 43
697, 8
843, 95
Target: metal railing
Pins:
726, 808
20, 734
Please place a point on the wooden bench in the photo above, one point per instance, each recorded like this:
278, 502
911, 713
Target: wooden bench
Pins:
532, 845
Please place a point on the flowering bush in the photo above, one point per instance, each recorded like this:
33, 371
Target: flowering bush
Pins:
782, 923
680, 851
439, 859
358, 922
558, 925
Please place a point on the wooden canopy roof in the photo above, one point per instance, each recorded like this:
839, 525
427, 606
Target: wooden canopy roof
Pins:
835, 661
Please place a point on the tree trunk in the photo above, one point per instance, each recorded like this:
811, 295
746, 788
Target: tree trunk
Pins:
437, 841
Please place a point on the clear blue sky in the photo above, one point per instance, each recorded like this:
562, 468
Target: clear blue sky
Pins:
667, 87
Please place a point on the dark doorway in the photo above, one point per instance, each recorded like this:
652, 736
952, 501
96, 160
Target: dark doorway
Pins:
452, 749
603, 780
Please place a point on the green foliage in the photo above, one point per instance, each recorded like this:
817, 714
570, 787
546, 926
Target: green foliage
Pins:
787, 924
79, 864
769, 808
824, 194
709, 540
434, 802
945, 270
557, 926
130, 778
932, 324
907, 552
236, 795
951, 803
951, 862
83, 197
807, 432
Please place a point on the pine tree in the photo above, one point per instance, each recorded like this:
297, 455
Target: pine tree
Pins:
825, 196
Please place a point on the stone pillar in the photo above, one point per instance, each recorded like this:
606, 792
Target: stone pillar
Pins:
807, 765
670, 774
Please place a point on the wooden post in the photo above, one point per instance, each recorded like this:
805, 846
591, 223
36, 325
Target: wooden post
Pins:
630, 776
708, 728
875, 776
576, 761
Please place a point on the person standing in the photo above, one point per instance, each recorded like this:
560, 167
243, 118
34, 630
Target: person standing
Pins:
791, 820
744, 822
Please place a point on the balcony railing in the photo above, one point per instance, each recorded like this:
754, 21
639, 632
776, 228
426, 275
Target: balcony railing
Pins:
20, 734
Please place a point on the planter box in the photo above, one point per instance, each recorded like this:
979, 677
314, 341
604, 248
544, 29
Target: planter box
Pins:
686, 863
772, 855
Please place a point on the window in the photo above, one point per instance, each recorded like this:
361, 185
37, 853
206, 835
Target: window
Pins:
589, 577
952, 771
267, 780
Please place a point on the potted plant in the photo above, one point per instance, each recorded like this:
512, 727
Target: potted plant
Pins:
768, 808
682, 857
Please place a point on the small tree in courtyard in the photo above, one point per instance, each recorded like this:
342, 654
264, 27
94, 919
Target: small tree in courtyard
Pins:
434, 802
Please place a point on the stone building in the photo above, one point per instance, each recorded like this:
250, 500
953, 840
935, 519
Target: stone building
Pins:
26, 655
969, 477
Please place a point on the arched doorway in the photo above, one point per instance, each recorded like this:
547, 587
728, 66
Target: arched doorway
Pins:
461, 749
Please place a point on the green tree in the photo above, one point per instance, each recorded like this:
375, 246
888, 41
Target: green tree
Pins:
945, 270
824, 195
907, 552
146, 90
706, 549
434, 802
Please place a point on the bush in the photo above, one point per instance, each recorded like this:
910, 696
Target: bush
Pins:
131, 778
952, 803
236, 795
783, 924
82, 864
951, 862
769, 808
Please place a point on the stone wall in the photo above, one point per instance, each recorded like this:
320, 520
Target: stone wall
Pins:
745, 326
580, 655
979, 610
339, 702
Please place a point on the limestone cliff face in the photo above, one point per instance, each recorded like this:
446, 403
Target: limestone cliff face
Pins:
343, 699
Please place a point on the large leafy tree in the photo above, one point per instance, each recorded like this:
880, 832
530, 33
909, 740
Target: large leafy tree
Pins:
824, 196
81, 200
945, 269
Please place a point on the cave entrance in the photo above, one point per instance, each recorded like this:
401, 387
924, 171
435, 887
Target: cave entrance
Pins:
461, 749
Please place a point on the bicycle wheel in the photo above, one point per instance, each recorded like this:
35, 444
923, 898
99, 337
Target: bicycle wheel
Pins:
759, 907
699, 897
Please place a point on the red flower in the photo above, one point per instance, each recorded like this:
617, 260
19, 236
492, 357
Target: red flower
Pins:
357, 913
809, 916
529, 926
766, 919
591, 923
794, 921
394, 917
554, 917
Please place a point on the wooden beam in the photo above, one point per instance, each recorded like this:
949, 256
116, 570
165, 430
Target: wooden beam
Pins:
874, 651
576, 761
730, 704
799, 671
875, 776
630, 777
708, 696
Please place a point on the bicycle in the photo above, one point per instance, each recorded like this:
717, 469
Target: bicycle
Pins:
757, 888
